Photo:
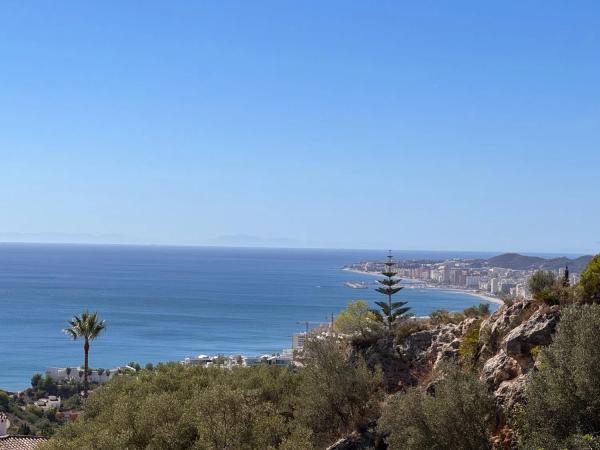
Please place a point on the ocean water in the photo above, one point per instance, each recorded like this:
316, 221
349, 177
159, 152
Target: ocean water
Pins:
167, 303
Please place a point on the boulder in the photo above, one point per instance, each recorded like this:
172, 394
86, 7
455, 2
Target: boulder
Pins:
537, 330
511, 392
500, 368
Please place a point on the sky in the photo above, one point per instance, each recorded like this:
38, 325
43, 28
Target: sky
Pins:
446, 125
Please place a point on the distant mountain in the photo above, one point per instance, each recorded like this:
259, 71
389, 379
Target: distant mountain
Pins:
516, 261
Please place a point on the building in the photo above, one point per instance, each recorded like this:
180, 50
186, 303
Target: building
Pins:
494, 286
298, 340
76, 373
48, 403
13, 442
472, 281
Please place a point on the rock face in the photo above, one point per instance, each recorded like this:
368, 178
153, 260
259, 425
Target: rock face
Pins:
509, 335
395, 367
511, 392
428, 348
537, 330
500, 368
499, 324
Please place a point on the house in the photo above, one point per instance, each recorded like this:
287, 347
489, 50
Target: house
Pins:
76, 374
48, 403
12, 442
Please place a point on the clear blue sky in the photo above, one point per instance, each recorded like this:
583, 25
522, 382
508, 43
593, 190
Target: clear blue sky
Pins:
413, 125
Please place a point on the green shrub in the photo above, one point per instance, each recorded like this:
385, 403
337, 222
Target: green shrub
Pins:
563, 396
358, 322
458, 417
481, 310
469, 346
590, 280
541, 281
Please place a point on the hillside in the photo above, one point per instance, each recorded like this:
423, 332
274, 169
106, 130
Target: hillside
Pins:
517, 261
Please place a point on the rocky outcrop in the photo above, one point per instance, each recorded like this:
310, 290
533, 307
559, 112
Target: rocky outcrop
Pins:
537, 330
394, 365
499, 324
428, 348
512, 332
511, 392
500, 368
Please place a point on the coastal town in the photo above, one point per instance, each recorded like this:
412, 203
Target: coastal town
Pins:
500, 277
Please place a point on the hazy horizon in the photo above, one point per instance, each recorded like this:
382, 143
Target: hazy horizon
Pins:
547, 254
469, 125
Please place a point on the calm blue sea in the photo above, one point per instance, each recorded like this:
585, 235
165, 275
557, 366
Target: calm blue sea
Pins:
166, 303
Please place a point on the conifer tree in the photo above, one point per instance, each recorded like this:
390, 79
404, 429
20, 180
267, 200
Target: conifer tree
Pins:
390, 311
565, 280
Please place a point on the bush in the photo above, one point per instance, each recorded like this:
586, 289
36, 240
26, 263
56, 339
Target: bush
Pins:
590, 280
4, 401
481, 310
174, 407
407, 326
358, 322
443, 316
563, 396
458, 417
541, 281
334, 397
469, 346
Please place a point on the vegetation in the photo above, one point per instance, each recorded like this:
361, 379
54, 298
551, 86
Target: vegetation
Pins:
358, 321
563, 396
541, 282
88, 327
459, 416
390, 312
181, 407
590, 281
469, 346
443, 316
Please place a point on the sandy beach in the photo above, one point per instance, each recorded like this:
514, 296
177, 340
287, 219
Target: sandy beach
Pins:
487, 297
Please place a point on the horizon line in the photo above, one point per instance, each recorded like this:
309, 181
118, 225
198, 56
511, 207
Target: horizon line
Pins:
258, 247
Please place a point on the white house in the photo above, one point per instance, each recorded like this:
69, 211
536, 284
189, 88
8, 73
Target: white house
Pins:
76, 374
48, 403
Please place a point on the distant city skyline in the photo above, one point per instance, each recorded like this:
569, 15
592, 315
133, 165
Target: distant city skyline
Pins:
468, 126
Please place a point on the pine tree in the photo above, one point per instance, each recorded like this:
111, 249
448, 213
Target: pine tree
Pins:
566, 282
390, 311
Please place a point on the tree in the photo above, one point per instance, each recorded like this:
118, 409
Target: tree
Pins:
88, 327
334, 396
590, 280
36, 379
357, 320
458, 416
565, 280
541, 281
4, 401
563, 395
390, 311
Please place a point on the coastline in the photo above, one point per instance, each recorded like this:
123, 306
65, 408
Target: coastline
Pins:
483, 296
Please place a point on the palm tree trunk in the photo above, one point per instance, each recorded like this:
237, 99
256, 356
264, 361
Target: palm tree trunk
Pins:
86, 350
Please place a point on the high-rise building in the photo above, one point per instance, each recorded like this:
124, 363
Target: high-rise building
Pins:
494, 286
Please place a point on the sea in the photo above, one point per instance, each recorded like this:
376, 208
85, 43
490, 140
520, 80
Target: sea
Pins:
168, 303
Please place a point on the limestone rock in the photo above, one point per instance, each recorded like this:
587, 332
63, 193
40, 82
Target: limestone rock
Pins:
500, 368
500, 323
511, 392
537, 330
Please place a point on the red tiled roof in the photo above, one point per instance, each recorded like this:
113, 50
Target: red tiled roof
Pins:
20, 442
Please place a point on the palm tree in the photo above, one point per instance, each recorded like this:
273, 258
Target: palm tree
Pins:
88, 327
390, 311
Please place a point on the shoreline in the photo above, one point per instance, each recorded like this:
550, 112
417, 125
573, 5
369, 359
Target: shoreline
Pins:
482, 295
